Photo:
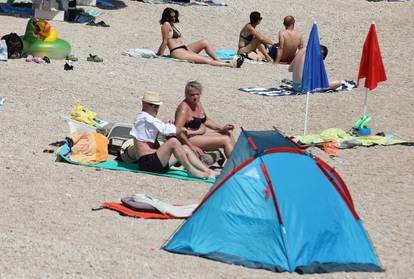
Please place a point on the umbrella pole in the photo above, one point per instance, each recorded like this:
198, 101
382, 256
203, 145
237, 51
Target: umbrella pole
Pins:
365, 102
306, 115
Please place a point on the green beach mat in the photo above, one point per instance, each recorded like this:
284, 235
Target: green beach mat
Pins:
121, 166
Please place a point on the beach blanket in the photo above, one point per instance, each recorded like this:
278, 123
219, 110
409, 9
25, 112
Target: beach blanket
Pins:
9, 9
121, 166
346, 140
224, 54
285, 89
185, 2
86, 147
123, 210
144, 206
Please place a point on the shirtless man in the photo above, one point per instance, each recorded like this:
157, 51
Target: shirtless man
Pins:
296, 67
154, 157
253, 44
290, 41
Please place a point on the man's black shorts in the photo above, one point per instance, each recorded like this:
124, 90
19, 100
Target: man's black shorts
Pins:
151, 163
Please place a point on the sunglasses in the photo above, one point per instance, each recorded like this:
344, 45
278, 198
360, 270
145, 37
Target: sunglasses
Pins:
153, 106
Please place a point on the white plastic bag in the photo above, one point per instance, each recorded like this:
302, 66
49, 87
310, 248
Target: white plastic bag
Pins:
3, 50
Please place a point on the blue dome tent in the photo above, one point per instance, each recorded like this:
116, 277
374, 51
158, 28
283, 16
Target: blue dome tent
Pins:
278, 208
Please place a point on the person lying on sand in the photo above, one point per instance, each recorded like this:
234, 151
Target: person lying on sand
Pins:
172, 38
154, 157
191, 115
290, 41
296, 67
253, 44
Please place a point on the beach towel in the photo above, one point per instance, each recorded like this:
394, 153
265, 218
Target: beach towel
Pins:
185, 2
178, 211
123, 210
346, 140
285, 89
121, 166
9, 9
144, 206
87, 147
224, 54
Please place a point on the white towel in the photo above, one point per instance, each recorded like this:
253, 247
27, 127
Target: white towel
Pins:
140, 52
179, 211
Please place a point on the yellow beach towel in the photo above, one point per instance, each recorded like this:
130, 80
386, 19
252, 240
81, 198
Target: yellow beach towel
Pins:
89, 147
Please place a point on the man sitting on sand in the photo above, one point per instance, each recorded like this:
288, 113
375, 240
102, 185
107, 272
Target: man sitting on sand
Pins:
154, 157
296, 67
290, 41
252, 44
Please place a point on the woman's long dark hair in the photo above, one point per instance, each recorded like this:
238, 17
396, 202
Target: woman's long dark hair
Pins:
166, 16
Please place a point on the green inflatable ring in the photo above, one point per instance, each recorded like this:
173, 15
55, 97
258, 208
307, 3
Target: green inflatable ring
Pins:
58, 49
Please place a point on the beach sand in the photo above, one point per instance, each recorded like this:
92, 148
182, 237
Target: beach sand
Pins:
47, 228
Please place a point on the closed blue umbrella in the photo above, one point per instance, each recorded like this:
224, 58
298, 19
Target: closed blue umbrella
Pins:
314, 76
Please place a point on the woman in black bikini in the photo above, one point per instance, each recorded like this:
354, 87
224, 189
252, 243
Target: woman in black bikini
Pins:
253, 44
171, 38
191, 115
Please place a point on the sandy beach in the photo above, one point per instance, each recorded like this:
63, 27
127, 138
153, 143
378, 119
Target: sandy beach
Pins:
47, 228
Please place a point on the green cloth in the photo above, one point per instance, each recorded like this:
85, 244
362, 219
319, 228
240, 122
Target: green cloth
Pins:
115, 165
339, 135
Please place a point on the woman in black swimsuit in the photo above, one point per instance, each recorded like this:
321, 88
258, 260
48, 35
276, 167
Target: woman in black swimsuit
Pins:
253, 44
190, 114
171, 38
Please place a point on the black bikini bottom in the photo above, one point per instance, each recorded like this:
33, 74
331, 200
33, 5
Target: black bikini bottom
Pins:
183, 46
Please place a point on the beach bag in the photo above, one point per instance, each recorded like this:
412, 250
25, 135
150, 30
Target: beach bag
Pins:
3, 51
14, 45
117, 136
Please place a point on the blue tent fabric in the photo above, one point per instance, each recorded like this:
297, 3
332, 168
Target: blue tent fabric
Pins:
314, 76
238, 222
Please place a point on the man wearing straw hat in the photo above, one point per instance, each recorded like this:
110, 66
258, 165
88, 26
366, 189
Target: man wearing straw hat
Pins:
154, 157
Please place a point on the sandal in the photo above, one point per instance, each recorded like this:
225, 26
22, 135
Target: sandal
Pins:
71, 57
239, 62
102, 24
94, 58
91, 23
68, 67
46, 59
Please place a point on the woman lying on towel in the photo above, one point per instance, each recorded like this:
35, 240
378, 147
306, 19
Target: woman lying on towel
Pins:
171, 38
191, 115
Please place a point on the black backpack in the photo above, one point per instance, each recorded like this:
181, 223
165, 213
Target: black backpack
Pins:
14, 45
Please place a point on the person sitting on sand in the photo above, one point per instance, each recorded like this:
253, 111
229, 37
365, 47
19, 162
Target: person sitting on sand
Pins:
252, 44
296, 67
191, 115
172, 38
154, 157
290, 41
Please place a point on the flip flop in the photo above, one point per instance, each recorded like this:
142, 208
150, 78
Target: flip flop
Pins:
39, 60
91, 23
102, 24
71, 57
94, 58
68, 67
240, 61
46, 59
29, 58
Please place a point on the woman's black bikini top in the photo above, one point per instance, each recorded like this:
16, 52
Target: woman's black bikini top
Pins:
175, 33
195, 123
247, 38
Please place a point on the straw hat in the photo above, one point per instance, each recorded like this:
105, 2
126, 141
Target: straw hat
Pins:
127, 152
151, 97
